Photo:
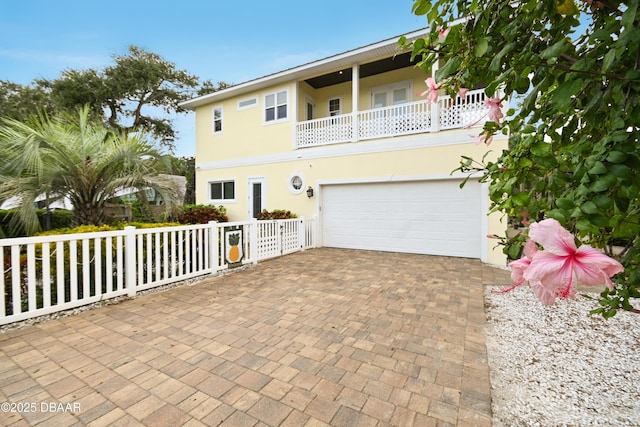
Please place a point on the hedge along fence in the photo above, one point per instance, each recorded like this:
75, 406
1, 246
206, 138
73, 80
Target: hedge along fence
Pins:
57, 218
50, 273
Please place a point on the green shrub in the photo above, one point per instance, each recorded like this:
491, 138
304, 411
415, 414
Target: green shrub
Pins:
58, 218
98, 228
276, 214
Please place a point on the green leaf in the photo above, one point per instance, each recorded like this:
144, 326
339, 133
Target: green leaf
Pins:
621, 171
554, 50
609, 179
481, 47
521, 199
525, 163
561, 96
602, 201
540, 149
514, 252
421, 7
589, 207
608, 60
622, 203
598, 169
490, 90
557, 214
599, 221
599, 186
585, 225
496, 62
616, 157
564, 203
452, 65
576, 213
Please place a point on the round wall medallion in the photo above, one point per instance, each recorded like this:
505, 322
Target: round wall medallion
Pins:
296, 183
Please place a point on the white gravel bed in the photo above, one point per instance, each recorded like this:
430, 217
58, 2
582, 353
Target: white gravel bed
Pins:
560, 366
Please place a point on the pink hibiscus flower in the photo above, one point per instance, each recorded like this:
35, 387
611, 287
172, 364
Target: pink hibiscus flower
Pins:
556, 270
495, 109
432, 90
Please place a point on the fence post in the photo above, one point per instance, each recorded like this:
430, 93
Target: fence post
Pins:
130, 260
435, 116
214, 246
253, 241
302, 234
315, 231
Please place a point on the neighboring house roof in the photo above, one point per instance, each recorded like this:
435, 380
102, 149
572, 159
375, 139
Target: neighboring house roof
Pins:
371, 52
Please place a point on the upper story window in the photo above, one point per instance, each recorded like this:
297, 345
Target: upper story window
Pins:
393, 94
275, 106
311, 108
334, 107
247, 103
217, 119
222, 191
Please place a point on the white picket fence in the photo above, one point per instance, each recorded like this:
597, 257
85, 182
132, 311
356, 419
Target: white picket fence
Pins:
47, 274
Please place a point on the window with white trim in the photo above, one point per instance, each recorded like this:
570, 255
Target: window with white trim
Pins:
334, 107
222, 191
247, 103
275, 106
217, 119
392, 94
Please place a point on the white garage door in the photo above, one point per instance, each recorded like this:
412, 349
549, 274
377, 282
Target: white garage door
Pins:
425, 217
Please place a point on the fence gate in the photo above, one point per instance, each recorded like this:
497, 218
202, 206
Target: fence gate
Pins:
280, 237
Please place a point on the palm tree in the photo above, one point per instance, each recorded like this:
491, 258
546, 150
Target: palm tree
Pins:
72, 156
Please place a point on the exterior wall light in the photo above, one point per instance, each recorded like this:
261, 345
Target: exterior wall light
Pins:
309, 192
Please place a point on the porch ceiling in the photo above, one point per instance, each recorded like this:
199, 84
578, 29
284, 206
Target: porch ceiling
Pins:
369, 69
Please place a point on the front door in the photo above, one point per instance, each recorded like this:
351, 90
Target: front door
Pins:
257, 191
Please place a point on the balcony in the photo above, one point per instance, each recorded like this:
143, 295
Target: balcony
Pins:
402, 119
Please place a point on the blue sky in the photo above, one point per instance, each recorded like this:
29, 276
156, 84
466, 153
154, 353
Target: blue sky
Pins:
221, 40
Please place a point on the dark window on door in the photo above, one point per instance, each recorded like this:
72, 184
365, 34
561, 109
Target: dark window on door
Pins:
257, 198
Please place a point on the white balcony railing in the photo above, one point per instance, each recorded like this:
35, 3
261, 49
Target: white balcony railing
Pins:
328, 130
402, 119
455, 113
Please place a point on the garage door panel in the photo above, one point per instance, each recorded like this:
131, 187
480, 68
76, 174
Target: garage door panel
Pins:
428, 217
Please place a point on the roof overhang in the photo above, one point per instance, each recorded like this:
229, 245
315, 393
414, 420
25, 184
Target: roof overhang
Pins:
315, 70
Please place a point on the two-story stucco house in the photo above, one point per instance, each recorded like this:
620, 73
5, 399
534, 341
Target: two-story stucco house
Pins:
349, 139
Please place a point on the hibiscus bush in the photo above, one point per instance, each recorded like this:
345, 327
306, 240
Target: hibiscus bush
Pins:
275, 214
571, 71
201, 214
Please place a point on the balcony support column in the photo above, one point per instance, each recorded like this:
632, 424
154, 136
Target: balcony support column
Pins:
355, 95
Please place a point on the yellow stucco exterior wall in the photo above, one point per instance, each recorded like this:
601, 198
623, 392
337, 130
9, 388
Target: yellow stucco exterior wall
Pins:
244, 132
249, 148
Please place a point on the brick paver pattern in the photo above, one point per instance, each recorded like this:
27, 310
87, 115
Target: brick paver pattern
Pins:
323, 337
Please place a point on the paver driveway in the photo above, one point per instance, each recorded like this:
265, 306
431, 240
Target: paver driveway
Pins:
322, 337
